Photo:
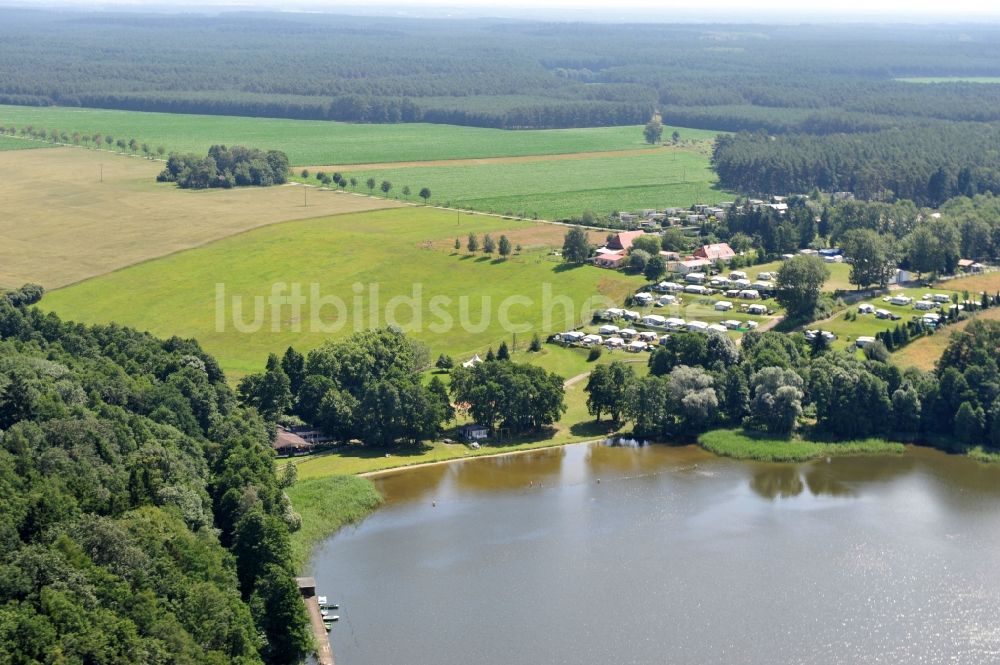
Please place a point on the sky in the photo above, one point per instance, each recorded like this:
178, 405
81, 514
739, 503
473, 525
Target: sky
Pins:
683, 10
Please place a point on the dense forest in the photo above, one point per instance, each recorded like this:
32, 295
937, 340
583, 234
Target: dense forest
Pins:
500, 73
925, 164
141, 520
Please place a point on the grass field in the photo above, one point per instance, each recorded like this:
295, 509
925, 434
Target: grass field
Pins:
394, 251
11, 143
974, 284
323, 142
924, 352
562, 188
743, 445
61, 223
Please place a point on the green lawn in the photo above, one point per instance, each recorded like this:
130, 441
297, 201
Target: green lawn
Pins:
743, 445
11, 143
563, 188
397, 252
848, 331
324, 142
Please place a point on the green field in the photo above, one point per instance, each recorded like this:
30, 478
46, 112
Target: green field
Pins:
324, 142
10, 143
563, 188
395, 251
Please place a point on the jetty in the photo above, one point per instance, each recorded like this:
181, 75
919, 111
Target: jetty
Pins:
307, 587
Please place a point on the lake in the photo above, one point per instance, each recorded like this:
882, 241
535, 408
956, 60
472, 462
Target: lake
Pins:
593, 554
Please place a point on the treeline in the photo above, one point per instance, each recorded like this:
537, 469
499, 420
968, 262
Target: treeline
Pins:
925, 165
96, 140
140, 516
499, 73
778, 384
369, 388
226, 167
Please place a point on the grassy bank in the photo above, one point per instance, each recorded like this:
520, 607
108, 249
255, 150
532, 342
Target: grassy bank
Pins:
742, 445
327, 504
988, 455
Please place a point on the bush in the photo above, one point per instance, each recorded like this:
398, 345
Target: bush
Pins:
595, 354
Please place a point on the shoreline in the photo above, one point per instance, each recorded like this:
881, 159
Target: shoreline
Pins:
466, 458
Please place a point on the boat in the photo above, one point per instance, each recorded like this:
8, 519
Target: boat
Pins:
321, 600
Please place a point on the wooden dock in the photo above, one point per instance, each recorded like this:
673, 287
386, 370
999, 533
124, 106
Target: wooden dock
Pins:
324, 654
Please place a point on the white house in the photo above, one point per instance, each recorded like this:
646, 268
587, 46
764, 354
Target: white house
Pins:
590, 340
628, 333
742, 283
695, 277
676, 324
697, 289
614, 342
697, 326
757, 310
654, 320
723, 306
647, 336
636, 346
750, 294
643, 298
608, 329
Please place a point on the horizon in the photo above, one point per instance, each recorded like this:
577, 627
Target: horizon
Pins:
712, 12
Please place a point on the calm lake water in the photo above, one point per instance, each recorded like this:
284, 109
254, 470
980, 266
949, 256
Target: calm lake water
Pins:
592, 554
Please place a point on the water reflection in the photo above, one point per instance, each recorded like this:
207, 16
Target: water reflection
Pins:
777, 481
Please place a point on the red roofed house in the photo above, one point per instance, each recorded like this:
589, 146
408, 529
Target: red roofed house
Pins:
610, 260
717, 252
622, 242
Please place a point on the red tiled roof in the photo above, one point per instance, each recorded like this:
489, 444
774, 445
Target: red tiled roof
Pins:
623, 240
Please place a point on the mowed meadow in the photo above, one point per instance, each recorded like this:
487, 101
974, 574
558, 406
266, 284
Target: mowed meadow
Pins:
309, 142
400, 252
70, 214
